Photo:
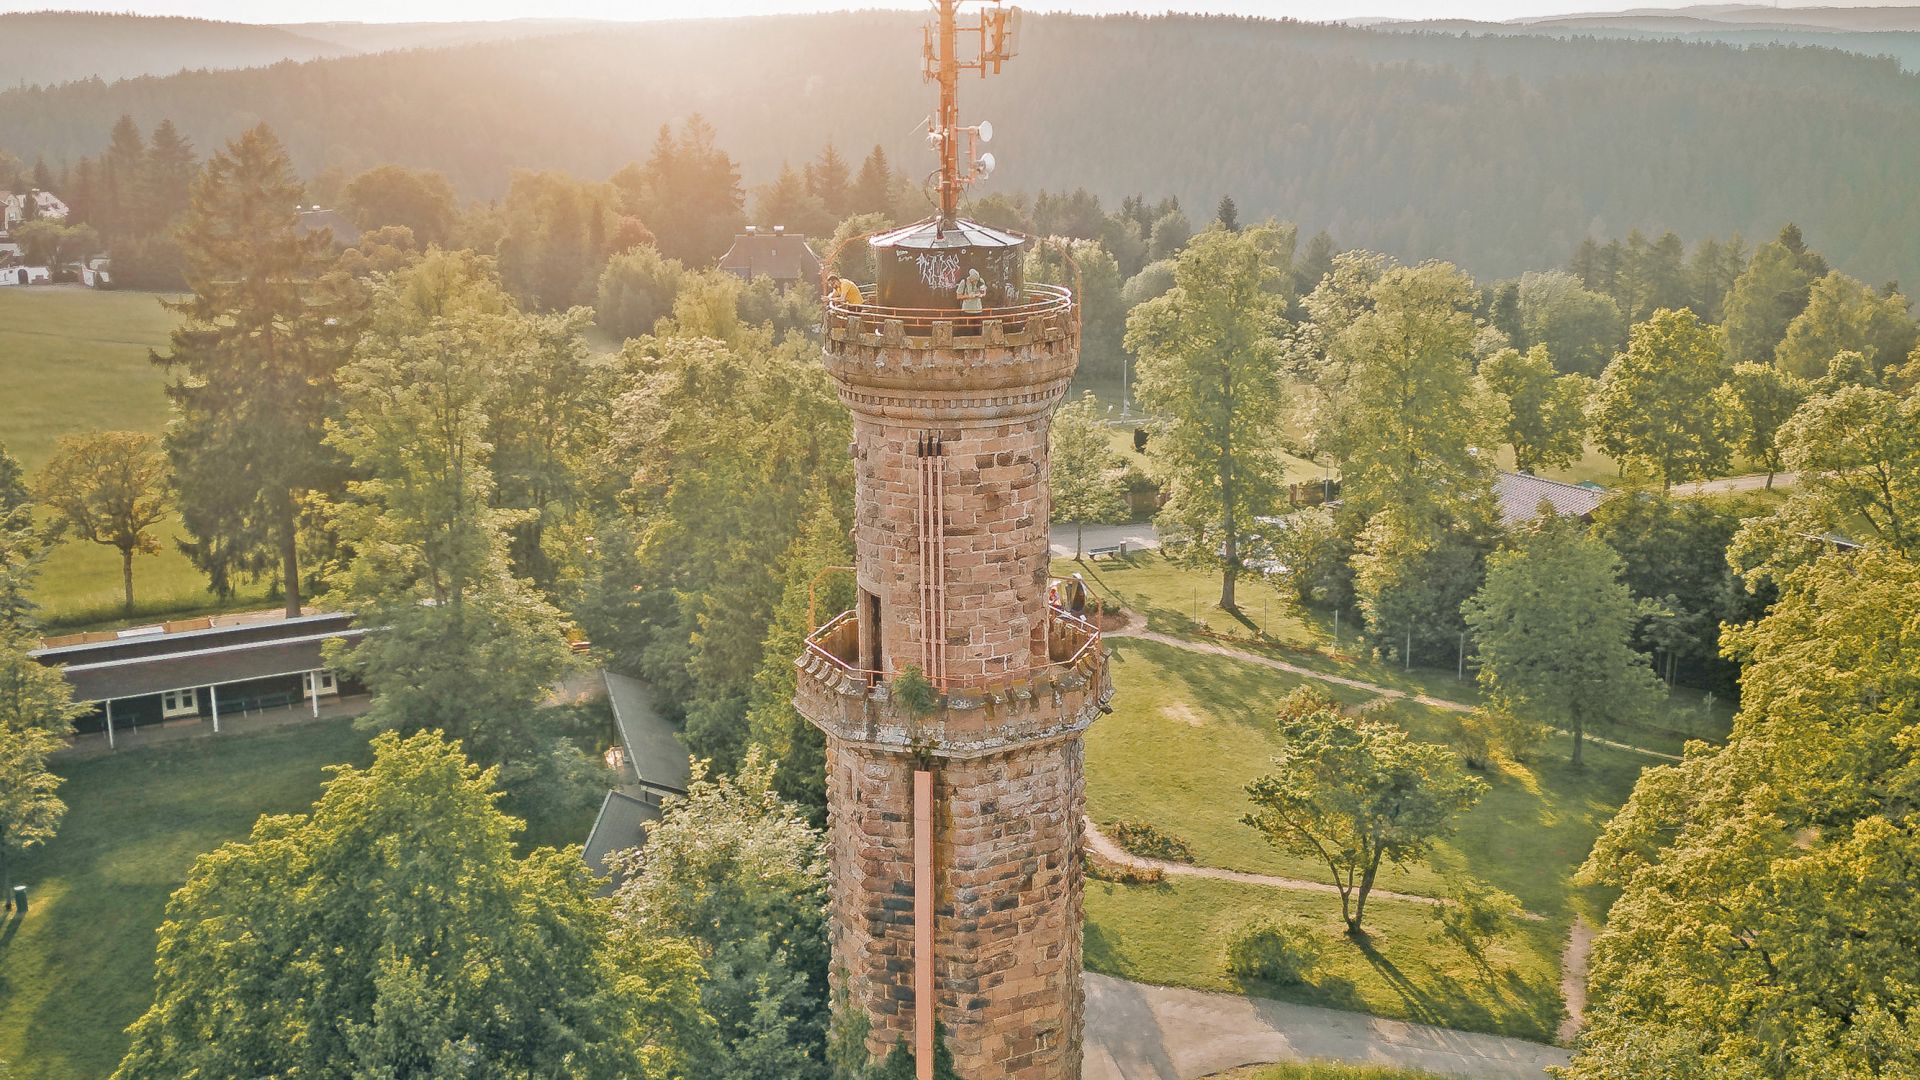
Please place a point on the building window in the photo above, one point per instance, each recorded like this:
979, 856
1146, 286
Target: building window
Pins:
180, 703
322, 683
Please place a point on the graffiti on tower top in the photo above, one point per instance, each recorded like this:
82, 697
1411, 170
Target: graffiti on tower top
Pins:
939, 270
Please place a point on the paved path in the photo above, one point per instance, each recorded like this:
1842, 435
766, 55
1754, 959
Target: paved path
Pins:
1754, 482
1136, 537
1140, 1032
1137, 628
1104, 846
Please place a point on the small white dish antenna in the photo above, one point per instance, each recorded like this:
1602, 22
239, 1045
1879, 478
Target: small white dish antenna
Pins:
986, 165
986, 131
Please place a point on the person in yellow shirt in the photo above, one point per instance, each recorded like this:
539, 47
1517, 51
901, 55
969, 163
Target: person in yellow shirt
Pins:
845, 291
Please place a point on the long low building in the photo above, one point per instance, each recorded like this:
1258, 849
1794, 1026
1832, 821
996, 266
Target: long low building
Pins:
196, 671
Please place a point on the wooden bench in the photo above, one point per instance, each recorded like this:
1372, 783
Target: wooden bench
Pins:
1110, 551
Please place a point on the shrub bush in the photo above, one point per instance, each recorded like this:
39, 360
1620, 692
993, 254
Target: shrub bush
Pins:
1473, 914
1305, 700
1269, 952
1148, 842
1104, 869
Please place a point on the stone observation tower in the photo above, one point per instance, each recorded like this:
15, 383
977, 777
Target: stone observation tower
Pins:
955, 694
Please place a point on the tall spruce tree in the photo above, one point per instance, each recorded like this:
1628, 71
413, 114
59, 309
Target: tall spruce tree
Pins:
253, 365
166, 179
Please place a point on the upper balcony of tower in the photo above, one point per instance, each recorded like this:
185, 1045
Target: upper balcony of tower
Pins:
950, 285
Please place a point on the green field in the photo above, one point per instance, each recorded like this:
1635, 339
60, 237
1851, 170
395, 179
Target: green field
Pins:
76, 359
79, 968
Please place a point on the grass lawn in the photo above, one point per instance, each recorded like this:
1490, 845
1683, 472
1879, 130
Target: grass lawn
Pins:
1190, 731
1180, 601
1175, 933
1183, 602
79, 968
76, 359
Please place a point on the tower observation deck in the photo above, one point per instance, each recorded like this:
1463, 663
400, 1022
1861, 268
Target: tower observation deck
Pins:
953, 697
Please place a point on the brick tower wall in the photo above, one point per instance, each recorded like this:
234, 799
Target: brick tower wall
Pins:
996, 514
1004, 750
1007, 911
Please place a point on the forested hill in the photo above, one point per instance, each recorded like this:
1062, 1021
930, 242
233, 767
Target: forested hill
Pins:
1498, 152
46, 47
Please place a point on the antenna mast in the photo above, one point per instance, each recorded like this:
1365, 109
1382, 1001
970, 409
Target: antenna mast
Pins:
995, 29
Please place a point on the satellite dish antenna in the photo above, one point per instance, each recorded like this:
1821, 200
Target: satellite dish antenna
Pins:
986, 165
986, 131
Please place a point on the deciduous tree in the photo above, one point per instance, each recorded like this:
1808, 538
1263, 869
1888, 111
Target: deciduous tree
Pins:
816, 587
1763, 398
1086, 485
1843, 314
1209, 369
431, 568
1356, 794
1764, 906
1544, 416
636, 290
738, 875
393, 931
1656, 406
1581, 328
419, 199
1554, 626
109, 487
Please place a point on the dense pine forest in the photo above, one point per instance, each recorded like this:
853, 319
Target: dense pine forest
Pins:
1501, 153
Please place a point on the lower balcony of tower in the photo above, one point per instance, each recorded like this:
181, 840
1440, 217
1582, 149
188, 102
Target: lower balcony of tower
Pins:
1054, 700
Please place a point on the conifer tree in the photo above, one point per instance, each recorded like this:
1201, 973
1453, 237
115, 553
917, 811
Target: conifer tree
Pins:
810, 593
253, 365
166, 179
872, 190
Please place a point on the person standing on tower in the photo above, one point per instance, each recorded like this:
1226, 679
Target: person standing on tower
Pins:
972, 293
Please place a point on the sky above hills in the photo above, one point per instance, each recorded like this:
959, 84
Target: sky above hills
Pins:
289, 11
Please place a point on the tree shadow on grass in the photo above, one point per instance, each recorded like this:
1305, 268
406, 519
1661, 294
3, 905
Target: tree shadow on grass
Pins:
1514, 1005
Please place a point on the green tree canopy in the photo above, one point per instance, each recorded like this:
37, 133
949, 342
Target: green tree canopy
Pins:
110, 488
1554, 625
1765, 912
1544, 417
1355, 794
431, 567
1209, 370
1769, 295
1843, 314
1764, 397
1857, 452
420, 199
1086, 486
1656, 406
724, 450
1580, 328
737, 875
816, 586
688, 193
393, 931
252, 366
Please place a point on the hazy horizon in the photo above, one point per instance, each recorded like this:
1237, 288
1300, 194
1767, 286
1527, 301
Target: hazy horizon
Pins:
384, 11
